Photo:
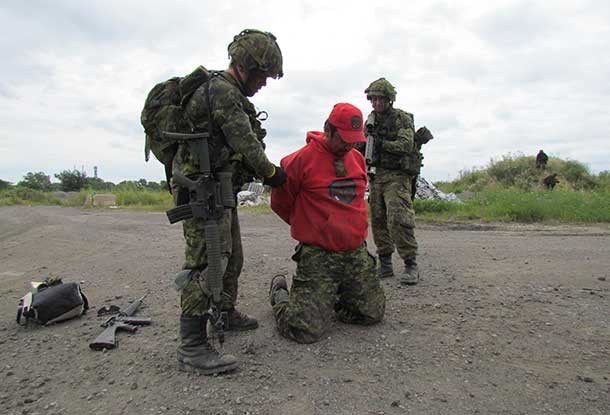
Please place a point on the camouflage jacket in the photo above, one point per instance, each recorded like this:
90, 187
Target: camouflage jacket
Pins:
397, 152
238, 144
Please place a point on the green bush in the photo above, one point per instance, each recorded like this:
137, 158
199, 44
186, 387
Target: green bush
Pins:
26, 196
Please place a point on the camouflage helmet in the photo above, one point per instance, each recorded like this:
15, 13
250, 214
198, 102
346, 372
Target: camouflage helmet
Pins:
257, 50
381, 88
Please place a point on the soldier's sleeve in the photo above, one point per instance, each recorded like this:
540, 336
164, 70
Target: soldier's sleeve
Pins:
230, 116
406, 132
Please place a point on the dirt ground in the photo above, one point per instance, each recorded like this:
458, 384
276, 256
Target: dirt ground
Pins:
508, 319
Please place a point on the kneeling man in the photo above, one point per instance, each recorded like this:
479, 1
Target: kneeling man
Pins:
323, 202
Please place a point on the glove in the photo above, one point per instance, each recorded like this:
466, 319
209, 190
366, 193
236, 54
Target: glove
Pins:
276, 179
423, 135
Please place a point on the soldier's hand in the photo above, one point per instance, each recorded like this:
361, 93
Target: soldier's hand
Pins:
277, 179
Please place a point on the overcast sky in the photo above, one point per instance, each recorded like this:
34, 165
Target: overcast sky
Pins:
488, 78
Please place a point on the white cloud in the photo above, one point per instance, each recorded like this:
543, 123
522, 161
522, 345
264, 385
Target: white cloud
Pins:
488, 78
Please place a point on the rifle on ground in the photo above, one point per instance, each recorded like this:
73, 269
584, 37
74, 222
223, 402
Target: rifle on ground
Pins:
421, 137
209, 194
123, 320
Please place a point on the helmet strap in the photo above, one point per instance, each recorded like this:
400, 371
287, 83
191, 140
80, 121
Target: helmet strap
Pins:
240, 80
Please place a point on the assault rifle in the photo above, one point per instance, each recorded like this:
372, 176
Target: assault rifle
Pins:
371, 152
123, 320
209, 194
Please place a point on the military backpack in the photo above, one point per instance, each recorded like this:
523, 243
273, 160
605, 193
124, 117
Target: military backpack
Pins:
164, 111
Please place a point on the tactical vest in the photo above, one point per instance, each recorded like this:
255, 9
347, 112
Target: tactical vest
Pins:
387, 130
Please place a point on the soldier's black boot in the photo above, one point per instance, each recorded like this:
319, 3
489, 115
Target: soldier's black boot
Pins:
196, 354
385, 266
238, 321
410, 275
278, 290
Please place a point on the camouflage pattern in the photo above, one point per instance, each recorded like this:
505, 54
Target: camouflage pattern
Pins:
381, 88
392, 214
328, 282
237, 147
257, 50
238, 144
195, 298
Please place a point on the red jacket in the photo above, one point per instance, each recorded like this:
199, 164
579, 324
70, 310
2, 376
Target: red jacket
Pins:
321, 208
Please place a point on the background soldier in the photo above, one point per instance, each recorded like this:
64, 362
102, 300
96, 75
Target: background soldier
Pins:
396, 160
323, 201
236, 146
550, 181
541, 160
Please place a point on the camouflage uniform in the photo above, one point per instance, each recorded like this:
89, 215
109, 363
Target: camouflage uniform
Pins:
235, 144
237, 147
327, 282
392, 214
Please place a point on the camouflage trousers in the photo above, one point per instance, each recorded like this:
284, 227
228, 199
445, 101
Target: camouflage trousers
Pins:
196, 298
392, 215
328, 282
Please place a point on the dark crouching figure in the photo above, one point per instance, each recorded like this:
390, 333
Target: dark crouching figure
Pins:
550, 181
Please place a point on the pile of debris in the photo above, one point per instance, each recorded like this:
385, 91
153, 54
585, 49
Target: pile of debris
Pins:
427, 190
254, 194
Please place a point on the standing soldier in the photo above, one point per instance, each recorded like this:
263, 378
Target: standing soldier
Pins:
541, 160
396, 160
236, 146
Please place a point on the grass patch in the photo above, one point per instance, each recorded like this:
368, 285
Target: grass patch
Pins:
144, 199
490, 205
519, 206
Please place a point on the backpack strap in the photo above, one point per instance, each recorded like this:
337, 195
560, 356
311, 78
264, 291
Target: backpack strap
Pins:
216, 146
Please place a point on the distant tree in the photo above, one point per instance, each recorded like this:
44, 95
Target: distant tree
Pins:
4, 184
128, 185
36, 181
154, 186
98, 184
72, 181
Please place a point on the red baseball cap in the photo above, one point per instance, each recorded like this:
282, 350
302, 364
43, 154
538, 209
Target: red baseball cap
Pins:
348, 120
